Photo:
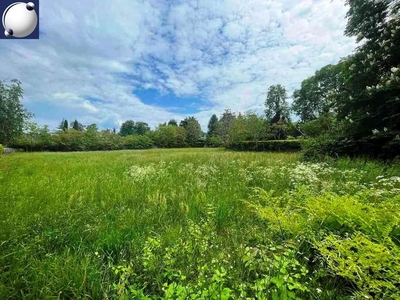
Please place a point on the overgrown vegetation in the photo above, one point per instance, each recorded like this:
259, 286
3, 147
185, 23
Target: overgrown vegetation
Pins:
269, 146
197, 224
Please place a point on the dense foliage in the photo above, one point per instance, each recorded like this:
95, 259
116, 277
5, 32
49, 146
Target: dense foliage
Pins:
270, 146
362, 92
12, 113
1, 150
197, 224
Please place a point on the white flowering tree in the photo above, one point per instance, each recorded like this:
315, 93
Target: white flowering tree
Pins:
370, 97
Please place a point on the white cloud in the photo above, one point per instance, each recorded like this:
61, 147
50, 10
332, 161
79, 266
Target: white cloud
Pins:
225, 53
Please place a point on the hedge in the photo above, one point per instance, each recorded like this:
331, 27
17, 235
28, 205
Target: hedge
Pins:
1, 150
273, 146
384, 147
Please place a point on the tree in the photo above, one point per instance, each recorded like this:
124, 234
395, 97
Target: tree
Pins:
127, 128
63, 125
279, 130
141, 128
247, 127
13, 115
193, 131
169, 136
77, 126
316, 95
184, 123
224, 124
212, 126
369, 101
91, 138
173, 122
276, 107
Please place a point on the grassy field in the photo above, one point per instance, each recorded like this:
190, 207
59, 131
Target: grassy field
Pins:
197, 224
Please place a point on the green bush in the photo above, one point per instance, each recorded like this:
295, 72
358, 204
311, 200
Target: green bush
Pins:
214, 141
137, 142
273, 146
1, 150
381, 146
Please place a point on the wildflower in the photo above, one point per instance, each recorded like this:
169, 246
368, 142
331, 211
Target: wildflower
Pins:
394, 70
375, 131
96, 253
319, 291
351, 121
385, 129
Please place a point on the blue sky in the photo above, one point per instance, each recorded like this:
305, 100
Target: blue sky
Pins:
109, 61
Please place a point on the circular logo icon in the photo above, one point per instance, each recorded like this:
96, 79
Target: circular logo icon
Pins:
19, 19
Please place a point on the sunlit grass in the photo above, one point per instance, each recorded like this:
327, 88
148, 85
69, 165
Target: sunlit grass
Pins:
69, 219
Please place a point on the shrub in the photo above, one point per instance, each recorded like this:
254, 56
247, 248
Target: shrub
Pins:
1, 150
200, 143
372, 267
381, 147
214, 141
273, 146
137, 142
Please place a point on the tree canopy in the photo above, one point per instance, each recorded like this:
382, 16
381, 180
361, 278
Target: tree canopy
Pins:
276, 106
13, 116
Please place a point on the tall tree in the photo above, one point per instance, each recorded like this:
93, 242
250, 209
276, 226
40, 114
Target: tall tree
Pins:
65, 127
77, 126
173, 122
127, 128
370, 98
316, 95
13, 115
224, 124
193, 131
141, 128
276, 106
212, 126
184, 123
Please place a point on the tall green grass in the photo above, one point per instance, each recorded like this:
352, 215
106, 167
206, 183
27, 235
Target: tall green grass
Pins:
172, 224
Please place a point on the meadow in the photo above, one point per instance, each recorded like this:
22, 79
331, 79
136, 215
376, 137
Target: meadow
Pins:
197, 224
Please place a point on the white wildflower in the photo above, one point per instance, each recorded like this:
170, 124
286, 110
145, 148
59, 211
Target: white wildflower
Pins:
375, 131
394, 69
385, 129
319, 291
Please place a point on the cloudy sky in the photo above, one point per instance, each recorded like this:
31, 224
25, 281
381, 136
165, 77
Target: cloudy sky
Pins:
109, 61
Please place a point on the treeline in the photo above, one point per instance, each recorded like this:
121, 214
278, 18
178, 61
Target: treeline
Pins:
230, 128
77, 137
